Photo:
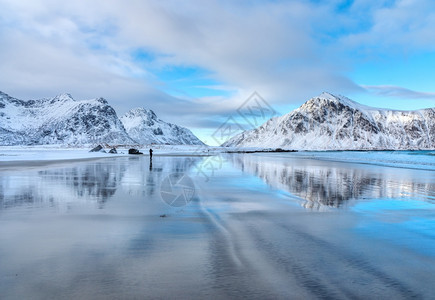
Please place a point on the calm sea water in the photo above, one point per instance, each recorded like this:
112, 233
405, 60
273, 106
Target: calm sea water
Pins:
242, 225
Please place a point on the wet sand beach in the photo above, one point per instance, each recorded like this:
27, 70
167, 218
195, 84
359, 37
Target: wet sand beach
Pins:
254, 226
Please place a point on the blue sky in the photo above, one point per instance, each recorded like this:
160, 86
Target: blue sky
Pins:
196, 62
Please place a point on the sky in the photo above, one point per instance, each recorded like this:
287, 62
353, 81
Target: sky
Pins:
196, 62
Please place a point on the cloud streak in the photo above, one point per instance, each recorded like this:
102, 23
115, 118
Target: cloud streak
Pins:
398, 92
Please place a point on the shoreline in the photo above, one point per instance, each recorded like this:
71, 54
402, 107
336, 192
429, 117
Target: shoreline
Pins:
34, 158
12, 165
8, 165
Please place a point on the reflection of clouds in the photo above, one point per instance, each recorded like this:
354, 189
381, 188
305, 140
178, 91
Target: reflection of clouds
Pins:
332, 185
95, 181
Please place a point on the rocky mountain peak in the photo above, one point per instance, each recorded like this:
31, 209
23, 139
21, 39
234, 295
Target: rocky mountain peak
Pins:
63, 97
326, 99
4, 95
140, 112
102, 100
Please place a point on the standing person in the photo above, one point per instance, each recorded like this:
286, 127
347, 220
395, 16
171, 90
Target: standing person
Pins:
151, 159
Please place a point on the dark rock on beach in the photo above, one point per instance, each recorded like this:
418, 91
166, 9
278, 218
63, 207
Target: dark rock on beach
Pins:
134, 151
99, 148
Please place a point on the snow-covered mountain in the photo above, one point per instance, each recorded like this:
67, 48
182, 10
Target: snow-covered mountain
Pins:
329, 122
59, 120
143, 126
65, 121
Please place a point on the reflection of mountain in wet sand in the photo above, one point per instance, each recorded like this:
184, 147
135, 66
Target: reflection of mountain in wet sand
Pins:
329, 184
91, 181
95, 181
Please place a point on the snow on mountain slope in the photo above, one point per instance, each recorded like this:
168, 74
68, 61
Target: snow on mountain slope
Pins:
144, 127
329, 122
59, 120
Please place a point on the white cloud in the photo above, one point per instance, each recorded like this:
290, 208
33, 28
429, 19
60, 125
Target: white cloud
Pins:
399, 27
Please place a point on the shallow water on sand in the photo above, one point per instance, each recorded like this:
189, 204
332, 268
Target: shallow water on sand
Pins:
254, 225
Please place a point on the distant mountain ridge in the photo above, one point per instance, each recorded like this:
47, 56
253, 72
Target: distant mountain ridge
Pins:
143, 126
62, 120
329, 122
